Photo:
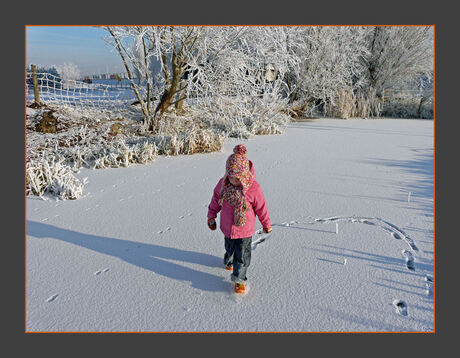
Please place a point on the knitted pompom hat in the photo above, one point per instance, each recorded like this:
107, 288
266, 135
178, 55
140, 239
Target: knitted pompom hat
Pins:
237, 166
238, 163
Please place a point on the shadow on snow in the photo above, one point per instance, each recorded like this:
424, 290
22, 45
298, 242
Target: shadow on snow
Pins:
151, 257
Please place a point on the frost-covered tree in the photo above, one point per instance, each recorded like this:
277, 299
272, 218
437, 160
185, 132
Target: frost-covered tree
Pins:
159, 55
69, 73
327, 62
397, 57
346, 69
212, 64
233, 72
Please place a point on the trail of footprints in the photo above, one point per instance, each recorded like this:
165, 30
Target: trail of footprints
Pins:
394, 231
165, 230
275, 164
55, 296
388, 227
260, 237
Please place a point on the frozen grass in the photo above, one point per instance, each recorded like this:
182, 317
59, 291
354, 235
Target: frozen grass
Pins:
366, 105
100, 138
52, 177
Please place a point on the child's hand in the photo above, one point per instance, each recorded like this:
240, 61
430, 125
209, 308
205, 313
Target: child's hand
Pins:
212, 223
268, 230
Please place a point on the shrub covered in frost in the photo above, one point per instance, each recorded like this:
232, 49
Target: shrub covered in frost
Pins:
408, 105
91, 139
48, 175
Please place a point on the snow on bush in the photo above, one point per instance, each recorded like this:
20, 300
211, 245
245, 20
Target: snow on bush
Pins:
227, 70
409, 105
121, 154
49, 175
89, 138
245, 117
354, 104
69, 73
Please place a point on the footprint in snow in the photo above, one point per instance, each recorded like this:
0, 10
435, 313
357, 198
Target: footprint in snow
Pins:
52, 298
395, 235
409, 259
429, 285
401, 307
101, 271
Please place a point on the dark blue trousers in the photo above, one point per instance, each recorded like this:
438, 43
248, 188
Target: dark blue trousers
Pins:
238, 254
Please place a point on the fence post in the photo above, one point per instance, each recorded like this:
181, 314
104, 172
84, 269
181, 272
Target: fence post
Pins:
35, 82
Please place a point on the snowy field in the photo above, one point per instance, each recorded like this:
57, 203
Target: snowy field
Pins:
351, 204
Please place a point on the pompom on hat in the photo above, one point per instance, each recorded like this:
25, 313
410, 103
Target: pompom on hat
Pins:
240, 149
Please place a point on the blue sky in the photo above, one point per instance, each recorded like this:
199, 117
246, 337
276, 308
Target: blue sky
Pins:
81, 45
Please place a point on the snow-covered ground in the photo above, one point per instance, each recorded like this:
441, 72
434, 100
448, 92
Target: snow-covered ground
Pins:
352, 209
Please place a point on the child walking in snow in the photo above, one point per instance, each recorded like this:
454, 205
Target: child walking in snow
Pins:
239, 198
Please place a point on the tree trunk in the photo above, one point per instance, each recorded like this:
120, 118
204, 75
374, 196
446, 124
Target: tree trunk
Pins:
180, 105
180, 100
169, 93
147, 116
419, 109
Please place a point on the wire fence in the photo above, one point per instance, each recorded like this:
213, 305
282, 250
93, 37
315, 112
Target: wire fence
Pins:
55, 90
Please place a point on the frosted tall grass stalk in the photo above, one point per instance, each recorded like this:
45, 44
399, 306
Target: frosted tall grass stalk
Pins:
408, 197
336, 228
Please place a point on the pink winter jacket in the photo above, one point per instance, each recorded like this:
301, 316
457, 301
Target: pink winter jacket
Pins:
258, 207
